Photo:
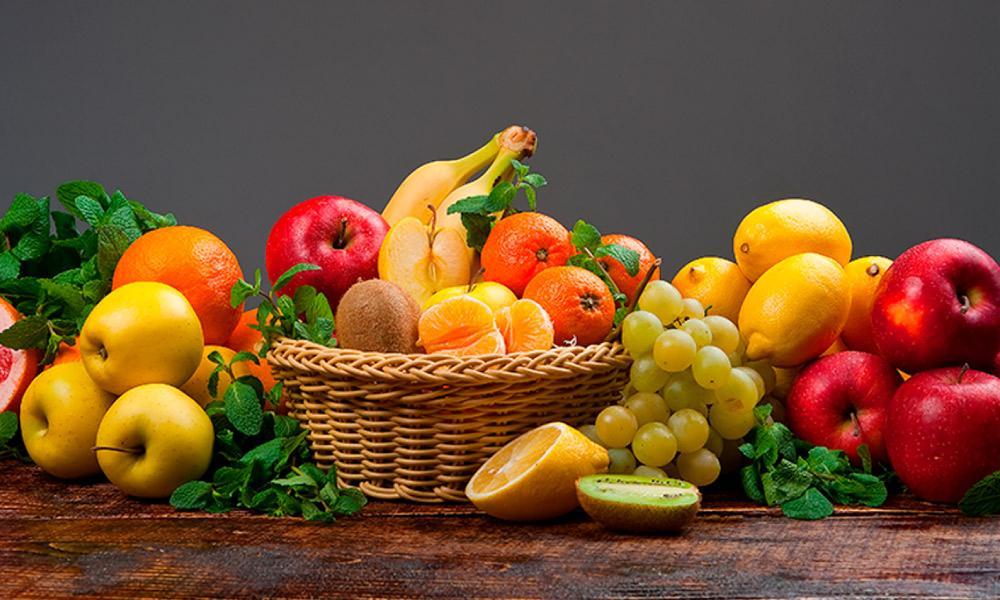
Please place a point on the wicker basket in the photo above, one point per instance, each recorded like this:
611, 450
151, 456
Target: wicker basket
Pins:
417, 426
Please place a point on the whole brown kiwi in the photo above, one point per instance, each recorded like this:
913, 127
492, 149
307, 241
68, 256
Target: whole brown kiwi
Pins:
377, 316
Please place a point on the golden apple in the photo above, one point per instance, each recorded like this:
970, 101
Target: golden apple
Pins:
495, 295
60, 414
143, 332
154, 439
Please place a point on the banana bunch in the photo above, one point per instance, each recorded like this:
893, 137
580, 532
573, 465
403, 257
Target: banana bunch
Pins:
441, 183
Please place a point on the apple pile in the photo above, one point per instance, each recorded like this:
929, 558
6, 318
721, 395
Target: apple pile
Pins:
935, 316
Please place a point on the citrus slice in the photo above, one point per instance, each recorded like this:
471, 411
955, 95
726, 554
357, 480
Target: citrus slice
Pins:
17, 367
525, 326
534, 477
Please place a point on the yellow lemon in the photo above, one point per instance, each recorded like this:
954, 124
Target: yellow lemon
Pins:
142, 332
715, 282
838, 345
495, 295
796, 310
863, 275
534, 476
784, 228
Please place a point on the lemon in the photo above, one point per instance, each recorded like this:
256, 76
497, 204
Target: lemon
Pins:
715, 282
863, 275
784, 228
534, 476
795, 310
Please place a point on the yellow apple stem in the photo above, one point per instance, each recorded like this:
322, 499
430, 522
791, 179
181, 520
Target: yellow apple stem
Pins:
117, 449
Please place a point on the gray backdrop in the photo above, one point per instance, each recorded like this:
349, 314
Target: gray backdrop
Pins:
667, 120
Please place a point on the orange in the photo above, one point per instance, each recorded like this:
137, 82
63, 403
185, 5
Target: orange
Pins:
863, 275
579, 303
525, 326
66, 353
196, 263
460, 326
17, 367
715, 282
628, 284
521, 246
245, 339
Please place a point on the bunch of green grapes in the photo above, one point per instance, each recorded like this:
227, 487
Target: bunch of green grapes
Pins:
690, 396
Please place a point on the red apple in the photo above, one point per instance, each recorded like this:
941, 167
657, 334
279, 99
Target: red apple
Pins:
840, 401
939, 305
338, 234
942, 432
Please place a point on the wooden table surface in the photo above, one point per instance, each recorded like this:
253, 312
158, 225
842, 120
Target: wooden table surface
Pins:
58, 539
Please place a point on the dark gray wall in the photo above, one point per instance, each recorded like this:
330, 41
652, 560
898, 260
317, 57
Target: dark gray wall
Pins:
669, 120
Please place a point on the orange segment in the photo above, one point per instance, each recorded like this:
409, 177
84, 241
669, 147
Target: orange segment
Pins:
421, 262
460, 326
525, 326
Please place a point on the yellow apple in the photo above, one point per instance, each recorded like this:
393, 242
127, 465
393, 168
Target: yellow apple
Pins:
495, 295
197, 386
143, 332
422, 260
154, 439
60, 413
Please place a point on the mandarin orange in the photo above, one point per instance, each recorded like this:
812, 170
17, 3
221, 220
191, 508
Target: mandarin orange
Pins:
522, 245
628, 284
578, 302
460, 326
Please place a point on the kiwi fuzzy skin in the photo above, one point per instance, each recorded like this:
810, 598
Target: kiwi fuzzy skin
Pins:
377, 316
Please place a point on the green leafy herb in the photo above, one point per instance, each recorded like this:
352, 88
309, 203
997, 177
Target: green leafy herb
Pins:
261, 459
11, 445
56, 265
479, 213
983, 498
587, 240
804, 480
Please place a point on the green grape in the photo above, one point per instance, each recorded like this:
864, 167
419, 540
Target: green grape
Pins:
767, 373
646, 376
639, 330
647, 407
683, 392
674, 350
699, 331
692, 310
654, 445
731, 424
731, 457
700, 467
663, 300
738, 393
620, 461
715, 442
755, 377
615, 426
591, 432
711, 367
647, 471
725, 335
690, 428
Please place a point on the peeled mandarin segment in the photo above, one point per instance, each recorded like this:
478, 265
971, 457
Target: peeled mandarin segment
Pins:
526, 327
459, 326
408, 259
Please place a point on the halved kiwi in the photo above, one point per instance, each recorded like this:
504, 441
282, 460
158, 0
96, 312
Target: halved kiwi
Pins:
638, 504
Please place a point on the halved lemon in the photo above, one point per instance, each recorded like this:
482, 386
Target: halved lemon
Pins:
534, 477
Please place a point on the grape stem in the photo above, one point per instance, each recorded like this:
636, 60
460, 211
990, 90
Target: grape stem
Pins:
617, 329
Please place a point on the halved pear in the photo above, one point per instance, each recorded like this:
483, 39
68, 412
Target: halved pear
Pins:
638, 504
422, 259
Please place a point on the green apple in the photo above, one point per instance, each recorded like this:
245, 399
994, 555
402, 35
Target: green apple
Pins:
154, 439
60, 413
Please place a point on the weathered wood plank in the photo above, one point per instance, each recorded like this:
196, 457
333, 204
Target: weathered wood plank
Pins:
59, 539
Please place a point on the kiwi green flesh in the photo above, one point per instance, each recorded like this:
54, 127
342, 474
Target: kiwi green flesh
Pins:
636, 489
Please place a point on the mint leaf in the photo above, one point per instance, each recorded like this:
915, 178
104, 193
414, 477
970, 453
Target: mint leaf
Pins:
193, 495
500, 197
243, 409
585, 236
983, 498
751, 484
810, 506
519, 167
8, 427
287, 276
10, 266
626, 256
68, 192
239, 293
22, 213
477, 229
866, 457
785, 482
90, 209
29, 332
535, 180
470, 204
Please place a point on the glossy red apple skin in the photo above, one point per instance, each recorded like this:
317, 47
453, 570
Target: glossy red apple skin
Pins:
943, 434
340, 235
919, 318
826, 394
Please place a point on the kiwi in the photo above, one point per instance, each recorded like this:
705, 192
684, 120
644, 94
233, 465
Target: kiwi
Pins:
377, 316
637, 504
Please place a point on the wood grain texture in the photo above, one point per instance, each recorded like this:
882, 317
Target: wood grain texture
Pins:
87, 539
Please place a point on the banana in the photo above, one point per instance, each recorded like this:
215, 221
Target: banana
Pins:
515, 143
429, 184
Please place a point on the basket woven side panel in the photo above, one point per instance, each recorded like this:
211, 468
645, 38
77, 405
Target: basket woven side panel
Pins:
417, 427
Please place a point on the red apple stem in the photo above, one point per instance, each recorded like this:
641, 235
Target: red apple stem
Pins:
961, 374
342, 234
135, 451
966, 305
856, 423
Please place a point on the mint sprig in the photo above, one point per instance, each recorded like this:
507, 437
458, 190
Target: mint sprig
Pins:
479, 213
56, 265
983, 498
804, 480
587, 240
